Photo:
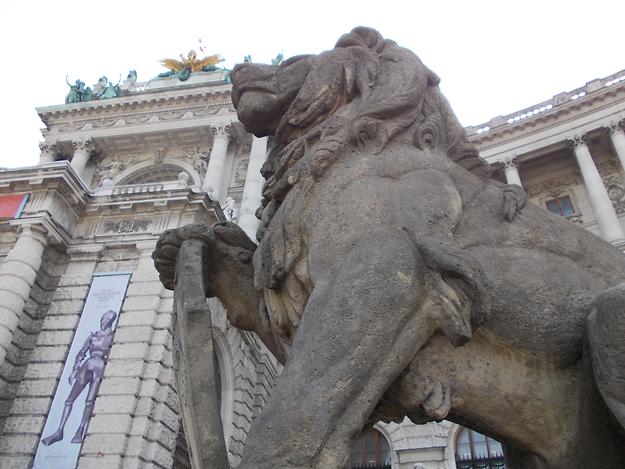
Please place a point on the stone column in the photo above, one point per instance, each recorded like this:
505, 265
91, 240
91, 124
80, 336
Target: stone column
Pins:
214, 172
599, 199
512, 171
83, 149
49, 152
17, 276
617, 136
252, 191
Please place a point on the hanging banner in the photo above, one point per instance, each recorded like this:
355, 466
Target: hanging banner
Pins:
11, 205
75, 394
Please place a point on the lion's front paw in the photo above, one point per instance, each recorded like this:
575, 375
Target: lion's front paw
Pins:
168, 245
514, 199
226, 244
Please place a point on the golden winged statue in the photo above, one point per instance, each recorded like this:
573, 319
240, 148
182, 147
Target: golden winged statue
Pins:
191, 62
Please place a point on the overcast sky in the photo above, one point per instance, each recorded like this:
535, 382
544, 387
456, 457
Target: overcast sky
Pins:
494, 57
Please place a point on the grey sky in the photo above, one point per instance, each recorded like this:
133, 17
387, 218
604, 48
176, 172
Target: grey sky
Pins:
494, 57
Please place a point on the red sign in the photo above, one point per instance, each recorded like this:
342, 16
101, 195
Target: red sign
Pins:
11, 205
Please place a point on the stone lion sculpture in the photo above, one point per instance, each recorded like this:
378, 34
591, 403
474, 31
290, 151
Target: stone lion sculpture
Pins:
393, 278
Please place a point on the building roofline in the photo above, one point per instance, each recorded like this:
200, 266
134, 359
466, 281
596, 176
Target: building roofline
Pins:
591, 89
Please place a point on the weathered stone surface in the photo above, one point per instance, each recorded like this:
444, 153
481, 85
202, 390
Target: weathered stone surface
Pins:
394, 278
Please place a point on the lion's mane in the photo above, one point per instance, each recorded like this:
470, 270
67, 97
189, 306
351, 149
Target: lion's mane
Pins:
364, 93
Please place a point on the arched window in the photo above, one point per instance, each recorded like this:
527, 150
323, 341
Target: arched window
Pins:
477, 451
157, 173
371, 451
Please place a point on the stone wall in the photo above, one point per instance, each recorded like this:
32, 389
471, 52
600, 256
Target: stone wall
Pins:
34, 361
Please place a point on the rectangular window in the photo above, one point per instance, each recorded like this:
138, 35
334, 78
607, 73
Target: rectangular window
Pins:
561, 206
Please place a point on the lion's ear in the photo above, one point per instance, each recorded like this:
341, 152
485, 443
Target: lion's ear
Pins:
433, 78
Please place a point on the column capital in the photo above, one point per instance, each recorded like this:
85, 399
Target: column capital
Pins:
577, 141
615, 128
222, 130
49, 151
35, 231
86, 145
510, 161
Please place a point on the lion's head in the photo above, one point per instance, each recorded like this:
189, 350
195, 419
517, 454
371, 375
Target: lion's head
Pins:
364, 93
367, 83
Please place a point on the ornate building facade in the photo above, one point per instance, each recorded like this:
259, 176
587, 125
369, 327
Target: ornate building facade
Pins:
115, 172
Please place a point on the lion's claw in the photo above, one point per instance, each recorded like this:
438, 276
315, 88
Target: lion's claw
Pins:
514, 199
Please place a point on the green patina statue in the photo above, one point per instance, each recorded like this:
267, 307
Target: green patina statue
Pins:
78, 92
105, 89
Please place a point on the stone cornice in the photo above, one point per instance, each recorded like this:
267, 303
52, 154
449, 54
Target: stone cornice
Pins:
60, 200
556, 117
137, 104
564, 106
555, 128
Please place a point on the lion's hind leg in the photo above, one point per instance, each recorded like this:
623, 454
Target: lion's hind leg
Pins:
606, 335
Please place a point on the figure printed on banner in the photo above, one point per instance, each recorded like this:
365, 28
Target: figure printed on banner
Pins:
86, 372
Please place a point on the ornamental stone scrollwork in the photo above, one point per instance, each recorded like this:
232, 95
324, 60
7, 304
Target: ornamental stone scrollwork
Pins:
554, 187
111, 167
577, 140
616, 127
616, 191
86, 146
198, 159
125, 226
159, 154
222, 131
230, 209
240, 171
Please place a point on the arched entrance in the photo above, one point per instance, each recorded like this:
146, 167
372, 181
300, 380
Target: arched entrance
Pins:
477, 451
370, 450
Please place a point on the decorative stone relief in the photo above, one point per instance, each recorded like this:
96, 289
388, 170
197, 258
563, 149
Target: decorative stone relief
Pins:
124, 226
240, 171
111, 167
616, 191
230, 209
86, 145
554, 187
198, 159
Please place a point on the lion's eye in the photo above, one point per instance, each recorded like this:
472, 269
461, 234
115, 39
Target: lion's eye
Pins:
428, 136
244, 257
